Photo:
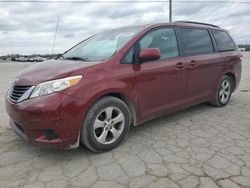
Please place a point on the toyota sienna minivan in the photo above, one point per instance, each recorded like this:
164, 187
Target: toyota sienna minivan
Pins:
119, 78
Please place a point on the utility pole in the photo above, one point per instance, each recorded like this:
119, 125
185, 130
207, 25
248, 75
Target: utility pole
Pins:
52, 51
170, 10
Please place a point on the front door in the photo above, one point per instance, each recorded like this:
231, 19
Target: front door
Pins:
160, 84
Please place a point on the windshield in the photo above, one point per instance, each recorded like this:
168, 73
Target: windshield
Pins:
102, 46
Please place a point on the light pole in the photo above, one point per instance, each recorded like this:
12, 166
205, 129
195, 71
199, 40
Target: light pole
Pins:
52, 51
170, 10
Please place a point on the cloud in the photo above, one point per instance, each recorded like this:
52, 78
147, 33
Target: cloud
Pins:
29, 27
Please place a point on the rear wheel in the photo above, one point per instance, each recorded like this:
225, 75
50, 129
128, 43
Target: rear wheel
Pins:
106, 124
223, 92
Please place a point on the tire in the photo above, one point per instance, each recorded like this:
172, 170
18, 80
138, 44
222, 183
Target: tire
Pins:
223, 92
106, 124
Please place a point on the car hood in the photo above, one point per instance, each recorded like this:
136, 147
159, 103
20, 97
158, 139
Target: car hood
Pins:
50, 70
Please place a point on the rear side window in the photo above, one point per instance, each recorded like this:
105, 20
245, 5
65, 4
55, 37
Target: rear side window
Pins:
164, 39
196, 41
223, 41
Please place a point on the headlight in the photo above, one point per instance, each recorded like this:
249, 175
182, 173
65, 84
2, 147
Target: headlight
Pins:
52, 86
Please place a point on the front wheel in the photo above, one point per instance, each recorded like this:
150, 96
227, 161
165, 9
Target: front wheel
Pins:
106, 124
223, 92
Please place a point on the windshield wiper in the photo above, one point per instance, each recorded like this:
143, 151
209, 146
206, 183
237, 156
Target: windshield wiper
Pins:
76, 58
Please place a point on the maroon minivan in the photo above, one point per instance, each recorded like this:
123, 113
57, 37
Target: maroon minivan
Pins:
120, 78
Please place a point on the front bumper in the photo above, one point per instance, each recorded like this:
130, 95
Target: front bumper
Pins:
52, 121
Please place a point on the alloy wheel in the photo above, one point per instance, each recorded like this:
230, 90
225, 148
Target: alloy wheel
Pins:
109, 125
224, 92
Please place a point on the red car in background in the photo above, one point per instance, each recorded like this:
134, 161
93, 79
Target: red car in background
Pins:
120, 78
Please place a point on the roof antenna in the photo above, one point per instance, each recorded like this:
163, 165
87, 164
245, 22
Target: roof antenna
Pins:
52, 51
170, 10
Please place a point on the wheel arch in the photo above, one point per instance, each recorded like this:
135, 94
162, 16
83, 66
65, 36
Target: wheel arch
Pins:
128, 102
232, 76
123, 97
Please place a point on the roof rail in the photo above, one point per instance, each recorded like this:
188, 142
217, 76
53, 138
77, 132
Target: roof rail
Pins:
200, 23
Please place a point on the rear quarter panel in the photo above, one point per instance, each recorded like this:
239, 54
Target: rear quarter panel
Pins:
233, 65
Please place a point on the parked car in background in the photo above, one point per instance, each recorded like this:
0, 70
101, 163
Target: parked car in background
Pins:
120, 78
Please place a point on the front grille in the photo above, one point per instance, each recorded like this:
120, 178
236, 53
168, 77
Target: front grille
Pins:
17, 92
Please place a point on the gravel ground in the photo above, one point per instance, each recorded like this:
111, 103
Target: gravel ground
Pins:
202, 146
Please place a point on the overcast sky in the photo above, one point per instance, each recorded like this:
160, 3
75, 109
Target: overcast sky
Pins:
29, 28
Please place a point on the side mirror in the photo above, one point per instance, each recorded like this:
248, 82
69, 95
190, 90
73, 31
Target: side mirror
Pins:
149, 54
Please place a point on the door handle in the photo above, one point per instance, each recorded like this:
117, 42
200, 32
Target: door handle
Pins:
180, 65
192, 64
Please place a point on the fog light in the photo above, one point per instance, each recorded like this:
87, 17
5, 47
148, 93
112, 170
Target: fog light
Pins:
50, 134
